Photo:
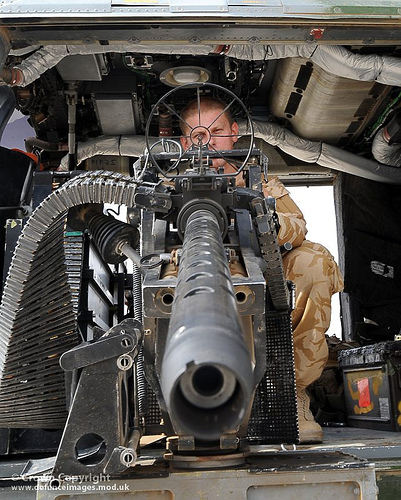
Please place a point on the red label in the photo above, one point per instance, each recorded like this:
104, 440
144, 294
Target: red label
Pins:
316, 33
364, 394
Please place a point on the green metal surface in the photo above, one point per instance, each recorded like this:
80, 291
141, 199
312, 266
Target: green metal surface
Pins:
389, 483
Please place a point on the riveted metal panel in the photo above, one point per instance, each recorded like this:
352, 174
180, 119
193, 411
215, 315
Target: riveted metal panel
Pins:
325, 9
283, 475
52, 8
199, 6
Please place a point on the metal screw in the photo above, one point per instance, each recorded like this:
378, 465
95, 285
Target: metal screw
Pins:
124, 362
128, 457
126, 342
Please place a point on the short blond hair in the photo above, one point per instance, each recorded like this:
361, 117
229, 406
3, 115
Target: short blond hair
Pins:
205, 102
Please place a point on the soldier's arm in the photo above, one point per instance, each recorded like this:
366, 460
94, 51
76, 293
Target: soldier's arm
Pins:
292, 222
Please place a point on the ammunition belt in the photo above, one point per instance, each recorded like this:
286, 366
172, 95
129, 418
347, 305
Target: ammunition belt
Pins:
38, 312
270, 249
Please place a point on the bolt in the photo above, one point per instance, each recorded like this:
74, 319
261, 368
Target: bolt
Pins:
126, 342
124, 362
128, 457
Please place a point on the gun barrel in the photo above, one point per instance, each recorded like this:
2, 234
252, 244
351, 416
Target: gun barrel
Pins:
207, 373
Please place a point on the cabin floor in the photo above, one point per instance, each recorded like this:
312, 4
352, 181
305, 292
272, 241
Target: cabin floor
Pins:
370, 444
381, 448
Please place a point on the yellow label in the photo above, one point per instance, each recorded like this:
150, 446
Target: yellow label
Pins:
366, 409
360, 384
377, 382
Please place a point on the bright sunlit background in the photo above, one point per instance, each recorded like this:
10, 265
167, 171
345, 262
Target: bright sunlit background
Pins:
317, 205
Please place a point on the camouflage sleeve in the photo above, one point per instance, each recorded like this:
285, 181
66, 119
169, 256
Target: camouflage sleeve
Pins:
292, 222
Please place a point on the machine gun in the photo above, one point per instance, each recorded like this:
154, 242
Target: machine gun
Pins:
207, 358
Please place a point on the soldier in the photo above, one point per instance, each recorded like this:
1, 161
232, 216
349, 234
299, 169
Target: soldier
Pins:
309, 265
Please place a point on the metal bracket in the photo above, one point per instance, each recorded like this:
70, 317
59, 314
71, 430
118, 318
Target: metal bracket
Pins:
148, 198
98, 431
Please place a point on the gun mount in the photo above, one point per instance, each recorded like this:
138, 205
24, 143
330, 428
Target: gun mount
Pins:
215, 369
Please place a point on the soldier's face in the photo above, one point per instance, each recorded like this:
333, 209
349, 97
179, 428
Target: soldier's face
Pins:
211, 128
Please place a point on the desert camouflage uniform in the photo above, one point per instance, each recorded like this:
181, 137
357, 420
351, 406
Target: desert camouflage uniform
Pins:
316, 276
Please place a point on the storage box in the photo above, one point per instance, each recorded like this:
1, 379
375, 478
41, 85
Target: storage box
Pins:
372, 385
